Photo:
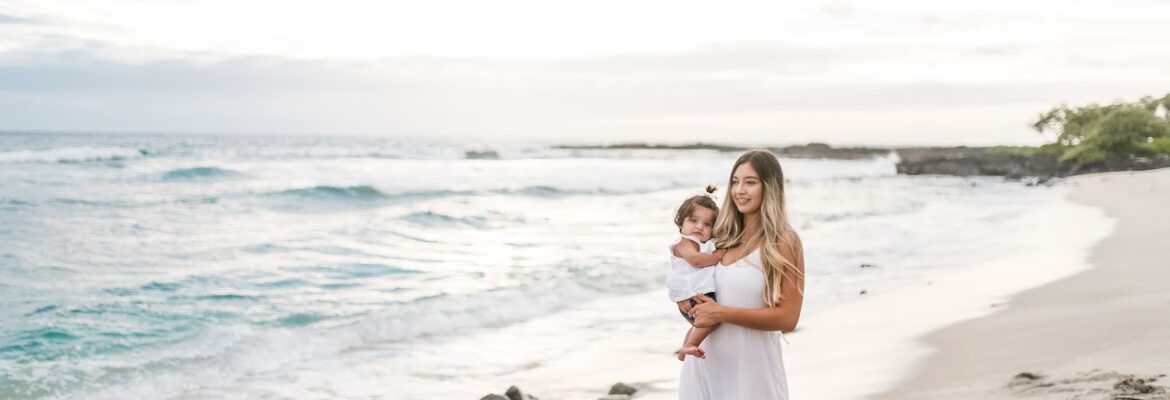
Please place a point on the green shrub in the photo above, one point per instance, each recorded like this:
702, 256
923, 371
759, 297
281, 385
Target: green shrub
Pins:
1158, 146
1083, 154
1093, 133
1014, 150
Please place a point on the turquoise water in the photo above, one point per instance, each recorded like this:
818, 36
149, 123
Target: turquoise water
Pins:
136, 266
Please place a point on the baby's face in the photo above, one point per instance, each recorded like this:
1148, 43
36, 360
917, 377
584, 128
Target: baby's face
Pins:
700, 223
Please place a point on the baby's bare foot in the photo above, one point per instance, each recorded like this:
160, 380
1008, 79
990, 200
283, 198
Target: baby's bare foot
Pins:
694, 351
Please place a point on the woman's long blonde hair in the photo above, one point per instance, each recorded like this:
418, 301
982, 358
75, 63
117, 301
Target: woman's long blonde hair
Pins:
774, 227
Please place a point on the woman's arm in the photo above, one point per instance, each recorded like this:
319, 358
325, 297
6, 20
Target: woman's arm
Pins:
782, 317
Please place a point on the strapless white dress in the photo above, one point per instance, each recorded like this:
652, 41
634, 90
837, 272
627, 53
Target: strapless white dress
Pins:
741, 363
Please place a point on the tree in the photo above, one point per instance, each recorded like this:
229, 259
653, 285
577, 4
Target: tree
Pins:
1095, 132
1071, 124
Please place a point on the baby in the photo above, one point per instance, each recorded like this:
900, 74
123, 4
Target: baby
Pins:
691, 256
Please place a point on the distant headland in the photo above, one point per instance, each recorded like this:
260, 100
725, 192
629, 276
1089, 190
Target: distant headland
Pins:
1006, 161
1121, 136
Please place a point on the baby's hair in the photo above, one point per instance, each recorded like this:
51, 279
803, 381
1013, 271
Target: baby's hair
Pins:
688, 206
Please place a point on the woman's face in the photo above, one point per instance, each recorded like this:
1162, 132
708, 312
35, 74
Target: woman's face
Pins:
747, 191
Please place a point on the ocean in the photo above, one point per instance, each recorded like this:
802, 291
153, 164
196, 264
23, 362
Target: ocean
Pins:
202, 266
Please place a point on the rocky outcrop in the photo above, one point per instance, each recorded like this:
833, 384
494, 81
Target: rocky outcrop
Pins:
1123, 164
514, 393
811, 150
622, 388
481, 155
961, 161
1095, 384
619, 391
973, 161
647, 146
821, 150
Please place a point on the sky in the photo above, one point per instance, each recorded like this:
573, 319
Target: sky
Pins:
894, 72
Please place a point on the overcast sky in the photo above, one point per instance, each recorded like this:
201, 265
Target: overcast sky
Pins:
765, 72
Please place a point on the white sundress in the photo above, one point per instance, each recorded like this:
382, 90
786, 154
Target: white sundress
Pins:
741, 363
683, 280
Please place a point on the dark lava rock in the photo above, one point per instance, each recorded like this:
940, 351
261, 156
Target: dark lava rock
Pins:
975, 161
622, 388
514, 393
1027, 376
1135, 386
1028, 379
811, 150
481, 155
821, 150
981, 161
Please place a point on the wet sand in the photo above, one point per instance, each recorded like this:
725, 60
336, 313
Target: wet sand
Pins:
1080, 337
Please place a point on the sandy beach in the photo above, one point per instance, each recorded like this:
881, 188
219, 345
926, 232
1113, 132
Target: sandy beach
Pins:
1079, 337
1078, 310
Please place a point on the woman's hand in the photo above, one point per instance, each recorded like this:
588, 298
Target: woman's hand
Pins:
707, 312
719, 253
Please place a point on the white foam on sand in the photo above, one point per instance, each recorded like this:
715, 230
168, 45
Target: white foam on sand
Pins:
864, 347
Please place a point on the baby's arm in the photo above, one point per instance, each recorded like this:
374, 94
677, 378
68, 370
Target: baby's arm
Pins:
689, 251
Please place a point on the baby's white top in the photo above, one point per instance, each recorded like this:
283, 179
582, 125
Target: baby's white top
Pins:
684, 280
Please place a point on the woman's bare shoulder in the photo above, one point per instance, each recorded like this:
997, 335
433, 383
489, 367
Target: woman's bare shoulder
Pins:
790, 244
790, 236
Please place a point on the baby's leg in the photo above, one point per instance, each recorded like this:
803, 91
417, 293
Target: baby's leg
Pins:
696, 336
682, 353
691, 345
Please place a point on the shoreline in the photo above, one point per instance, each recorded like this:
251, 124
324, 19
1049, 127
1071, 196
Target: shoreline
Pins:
1078, 336
862, 348
931, 339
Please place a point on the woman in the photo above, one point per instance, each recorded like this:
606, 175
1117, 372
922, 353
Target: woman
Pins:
760, 287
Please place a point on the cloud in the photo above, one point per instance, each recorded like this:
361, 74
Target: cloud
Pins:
838, 10
6, 19
968, 72
72, 73
752, 91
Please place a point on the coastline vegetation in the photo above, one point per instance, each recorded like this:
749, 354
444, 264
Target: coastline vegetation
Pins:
1093, 132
